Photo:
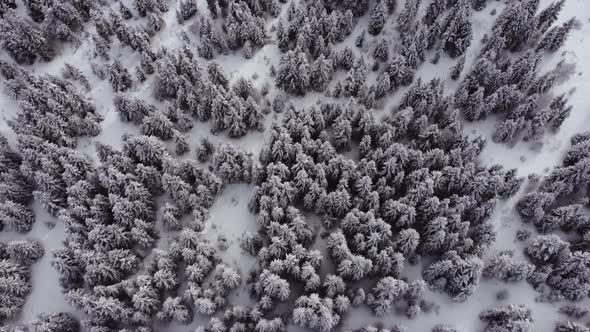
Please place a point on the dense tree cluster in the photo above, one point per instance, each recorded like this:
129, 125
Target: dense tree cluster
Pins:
192, 189
233, 165
310, 62
508, 318
52, 115
503, 267
110, 222
49, 107
26, 40
561, 265
307, 39
206, 97
243, 24
515, 88
16, 192
380, 193
426, 197
16, 257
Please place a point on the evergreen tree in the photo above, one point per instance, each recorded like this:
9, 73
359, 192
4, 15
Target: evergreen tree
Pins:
503, 267
25, 252
479, 4
434, 10
381, 50
408, 15
532, 206
516, 24
23, 41
16, 217
555, 38
458, 33
457, 276
400, 73
119, 77
378, 18
294, 72
508, 318
157, 124
570, 327
548, 16
186, 10
315, 313
174, 309
61, 321
321, 73
457, 68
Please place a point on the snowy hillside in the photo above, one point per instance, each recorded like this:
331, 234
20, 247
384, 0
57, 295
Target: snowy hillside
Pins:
294, 165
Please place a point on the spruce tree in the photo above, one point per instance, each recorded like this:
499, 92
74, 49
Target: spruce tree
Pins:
378, 18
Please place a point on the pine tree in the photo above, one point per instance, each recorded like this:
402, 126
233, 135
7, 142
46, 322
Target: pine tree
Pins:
378, 18
70, 72
532, 206
503, 267
386, 292
360, 39
383, 85
570, 327
400, 73
294, 72
157, 124
16, 217
217, 75
247, 50
457, 68
381, 50
508, 318
457, 34
516, 24
181, 143
6, 5
23, 41
25, 252
315, 313
321, 73
457, 276
479, 4
282, 36
546, 248
186, 10
408, 15
205, 150
61, 321
555, 38
508, 129
548, 16
444, 328
174, 309
119, 77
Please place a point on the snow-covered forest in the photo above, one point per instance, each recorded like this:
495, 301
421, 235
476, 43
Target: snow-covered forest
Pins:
294, 165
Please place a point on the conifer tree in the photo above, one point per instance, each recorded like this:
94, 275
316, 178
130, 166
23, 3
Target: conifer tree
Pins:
548, 16
555, 38
457, 68
378, 18
321, 73
23, 41
61, 321
294, 72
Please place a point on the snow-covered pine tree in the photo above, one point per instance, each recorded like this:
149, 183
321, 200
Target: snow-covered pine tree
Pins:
378, 18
